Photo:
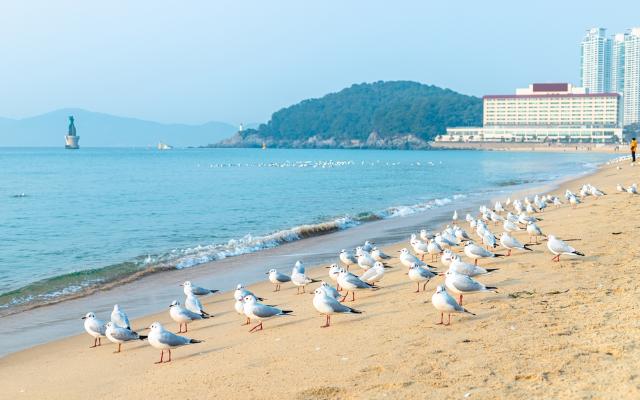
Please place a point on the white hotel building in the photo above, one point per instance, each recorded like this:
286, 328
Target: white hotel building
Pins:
546, 112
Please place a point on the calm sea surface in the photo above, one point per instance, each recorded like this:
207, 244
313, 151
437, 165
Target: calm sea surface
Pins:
71, 220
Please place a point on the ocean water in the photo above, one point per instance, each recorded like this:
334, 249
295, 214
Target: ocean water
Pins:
72, 221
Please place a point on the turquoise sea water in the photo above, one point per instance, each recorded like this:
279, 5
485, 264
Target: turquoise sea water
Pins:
73, 220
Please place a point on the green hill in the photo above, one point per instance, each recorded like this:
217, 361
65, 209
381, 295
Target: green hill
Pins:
397, 114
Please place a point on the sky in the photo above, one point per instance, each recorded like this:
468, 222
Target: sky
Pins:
239, 61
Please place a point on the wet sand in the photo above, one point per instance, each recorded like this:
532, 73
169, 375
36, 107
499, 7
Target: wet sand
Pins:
555, 330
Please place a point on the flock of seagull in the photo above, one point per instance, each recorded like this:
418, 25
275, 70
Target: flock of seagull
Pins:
449, 246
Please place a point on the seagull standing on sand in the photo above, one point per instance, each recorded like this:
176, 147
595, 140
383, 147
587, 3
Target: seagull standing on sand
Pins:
455, 217
261, 312
162, 339
421, 248
534, 231
407, 259
120, 335
379, 255
347, 258
374, 274
463, 284
94, 327
476, 252
241, 292
183, 316
509, 226
434, 249
443, 302
187, 287
418, 274
558, 247
367, 246
365, 261
120, 318
510, 243
301, 280
328, 306
352, 283
193, 304
278, 278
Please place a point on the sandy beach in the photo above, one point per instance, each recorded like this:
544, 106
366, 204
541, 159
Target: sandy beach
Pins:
556, 330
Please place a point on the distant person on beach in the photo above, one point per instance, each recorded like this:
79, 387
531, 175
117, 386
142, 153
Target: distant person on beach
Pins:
634, 146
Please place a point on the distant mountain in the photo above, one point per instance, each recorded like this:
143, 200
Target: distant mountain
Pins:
396, 114
98, 129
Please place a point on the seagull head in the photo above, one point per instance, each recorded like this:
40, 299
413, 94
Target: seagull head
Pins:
174, 303
156, 326
116, 308
249, 299
404, 251
272, 271
109, 325
240, 286
186, 284
441, 289
89, 315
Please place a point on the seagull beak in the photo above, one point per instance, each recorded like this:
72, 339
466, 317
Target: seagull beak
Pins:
181, 284
83, 318
266, 273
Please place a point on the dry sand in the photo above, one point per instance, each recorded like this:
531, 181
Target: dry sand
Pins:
556, 330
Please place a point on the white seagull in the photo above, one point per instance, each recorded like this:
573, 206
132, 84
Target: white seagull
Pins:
120, 335
261, 312
510, 243
476, 252
120, 318
328, 305
188, 287
443, 302
559, 247
463, 284
418, 274
278, 278
183, 316
94, 327
162, 339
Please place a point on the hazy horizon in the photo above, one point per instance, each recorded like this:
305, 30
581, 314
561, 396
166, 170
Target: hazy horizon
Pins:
241, 61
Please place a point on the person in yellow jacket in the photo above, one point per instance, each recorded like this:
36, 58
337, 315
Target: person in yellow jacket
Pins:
634, 146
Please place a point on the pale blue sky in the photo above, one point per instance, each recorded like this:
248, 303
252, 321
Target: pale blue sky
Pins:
234, 61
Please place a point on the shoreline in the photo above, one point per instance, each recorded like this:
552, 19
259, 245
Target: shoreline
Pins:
226, 273
620, 149
532, 339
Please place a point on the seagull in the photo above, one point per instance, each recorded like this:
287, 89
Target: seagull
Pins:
351, 283
463, 268
463, 284
379, 255
424, 235
277, 278
574, 201
365, 261
94, 327
418, 274
196, 290
119, 317
329, 290
443, 302
509, 242
300, 280
183, 316
510, 226
120, 335
443, 241
374, 274
162, 339
633, 189
367, 246
420, 248
298, 267
241, 292
334, 270
328, 305
347, 258
620, 188
260, 312
446, 257
558, 247
193, 304
455, 217
434, 249
534, 230
476, 252
407, 259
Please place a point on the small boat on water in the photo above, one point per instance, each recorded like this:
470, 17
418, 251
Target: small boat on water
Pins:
164, 146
